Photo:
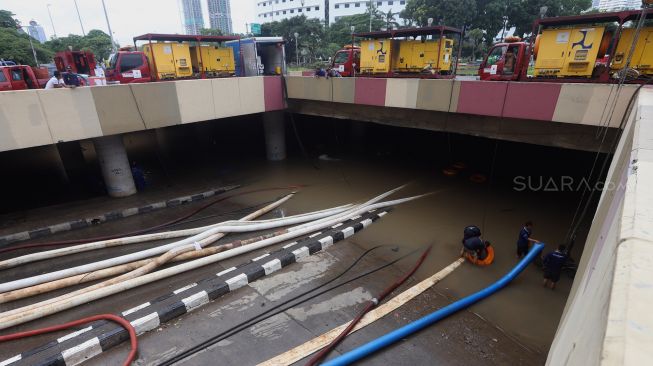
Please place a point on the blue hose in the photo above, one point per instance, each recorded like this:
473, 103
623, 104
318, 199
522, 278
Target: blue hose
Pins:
419, 324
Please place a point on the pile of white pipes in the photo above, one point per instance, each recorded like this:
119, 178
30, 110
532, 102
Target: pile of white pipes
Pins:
140, 265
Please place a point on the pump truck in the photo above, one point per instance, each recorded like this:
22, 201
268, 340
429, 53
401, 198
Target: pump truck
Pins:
426, 52
172, 56
584, 48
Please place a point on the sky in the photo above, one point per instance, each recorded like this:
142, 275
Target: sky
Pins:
128, 18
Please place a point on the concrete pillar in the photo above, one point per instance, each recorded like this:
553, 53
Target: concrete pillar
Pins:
275, 135
115, 167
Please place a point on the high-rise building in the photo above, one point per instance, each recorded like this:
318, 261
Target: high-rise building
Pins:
193, 18
271, 10
614, 5
36, 31
220, 15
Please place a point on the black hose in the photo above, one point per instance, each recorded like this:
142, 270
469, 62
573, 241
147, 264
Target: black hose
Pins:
267, 314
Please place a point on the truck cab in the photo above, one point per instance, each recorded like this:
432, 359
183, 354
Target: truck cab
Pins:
347, 61
128, 67
18, 77
506, 61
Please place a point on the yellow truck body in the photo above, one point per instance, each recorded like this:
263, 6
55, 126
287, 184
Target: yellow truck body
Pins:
416, 55
642, 59
218, 60
172, 59
568, 52
376, 55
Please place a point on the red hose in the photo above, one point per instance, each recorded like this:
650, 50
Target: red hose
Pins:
123, 322
370, 305
145, 230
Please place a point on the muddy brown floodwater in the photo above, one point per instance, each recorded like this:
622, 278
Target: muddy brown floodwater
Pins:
524, 310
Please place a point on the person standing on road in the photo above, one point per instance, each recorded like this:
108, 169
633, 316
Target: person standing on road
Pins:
55, 81
553, 263
525, 239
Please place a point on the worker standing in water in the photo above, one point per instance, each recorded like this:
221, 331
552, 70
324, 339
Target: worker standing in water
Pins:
553, 263
525, 239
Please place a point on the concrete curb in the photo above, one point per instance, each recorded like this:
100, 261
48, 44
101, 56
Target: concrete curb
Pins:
100, 336
109, 216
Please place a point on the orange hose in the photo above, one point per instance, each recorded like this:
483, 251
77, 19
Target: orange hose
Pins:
123, 322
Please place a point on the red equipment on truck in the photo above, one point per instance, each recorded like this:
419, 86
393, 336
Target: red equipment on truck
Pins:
80, 62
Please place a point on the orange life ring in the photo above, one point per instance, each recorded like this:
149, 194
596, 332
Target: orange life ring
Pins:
449, 172
478, 178
483, 263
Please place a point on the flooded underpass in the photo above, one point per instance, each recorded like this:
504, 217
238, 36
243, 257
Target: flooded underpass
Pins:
497, 186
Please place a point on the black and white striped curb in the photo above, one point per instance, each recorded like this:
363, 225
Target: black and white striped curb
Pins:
109, 216
100, 336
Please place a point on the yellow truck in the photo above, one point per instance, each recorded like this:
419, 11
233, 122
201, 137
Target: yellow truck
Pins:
419, 52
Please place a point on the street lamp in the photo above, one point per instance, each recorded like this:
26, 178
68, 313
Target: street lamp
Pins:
54, 31
505, 25
31, 44
113, 44
80, 18
543, 11
371, 8
297, 47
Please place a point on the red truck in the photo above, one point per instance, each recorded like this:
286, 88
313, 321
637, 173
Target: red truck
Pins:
347, 61
128, 66
21, 77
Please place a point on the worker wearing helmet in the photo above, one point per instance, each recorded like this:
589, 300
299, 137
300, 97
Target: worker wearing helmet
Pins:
473, 245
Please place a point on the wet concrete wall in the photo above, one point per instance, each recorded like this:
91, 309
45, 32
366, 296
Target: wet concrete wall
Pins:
607, 317
39, 117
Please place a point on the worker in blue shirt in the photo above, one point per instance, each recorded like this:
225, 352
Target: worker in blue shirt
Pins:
525, 239
553, 263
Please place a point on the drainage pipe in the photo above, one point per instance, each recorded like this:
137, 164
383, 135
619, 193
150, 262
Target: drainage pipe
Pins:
118, 270
405, 331
49, 254
230, 226
19, 316
154, 263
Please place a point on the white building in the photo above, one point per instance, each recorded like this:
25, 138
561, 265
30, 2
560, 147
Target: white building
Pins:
341, 8
275, 10
615, 5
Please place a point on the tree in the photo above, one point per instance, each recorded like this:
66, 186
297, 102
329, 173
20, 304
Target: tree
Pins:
474, 38
16, 47
211, 32
311, 37
95, 41
455, 13
7, 20
390, 20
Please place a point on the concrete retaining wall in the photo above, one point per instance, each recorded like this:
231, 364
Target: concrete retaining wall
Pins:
568, 103
40, 117
607, 319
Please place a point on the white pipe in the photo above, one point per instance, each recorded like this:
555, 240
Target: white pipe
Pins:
231, 227
111, 262
154, 263
49, 254
19, 316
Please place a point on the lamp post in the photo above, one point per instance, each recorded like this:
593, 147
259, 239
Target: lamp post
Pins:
31, 44
54, 31
371, 9
113, 44
297, 47
505, 25
80, 18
